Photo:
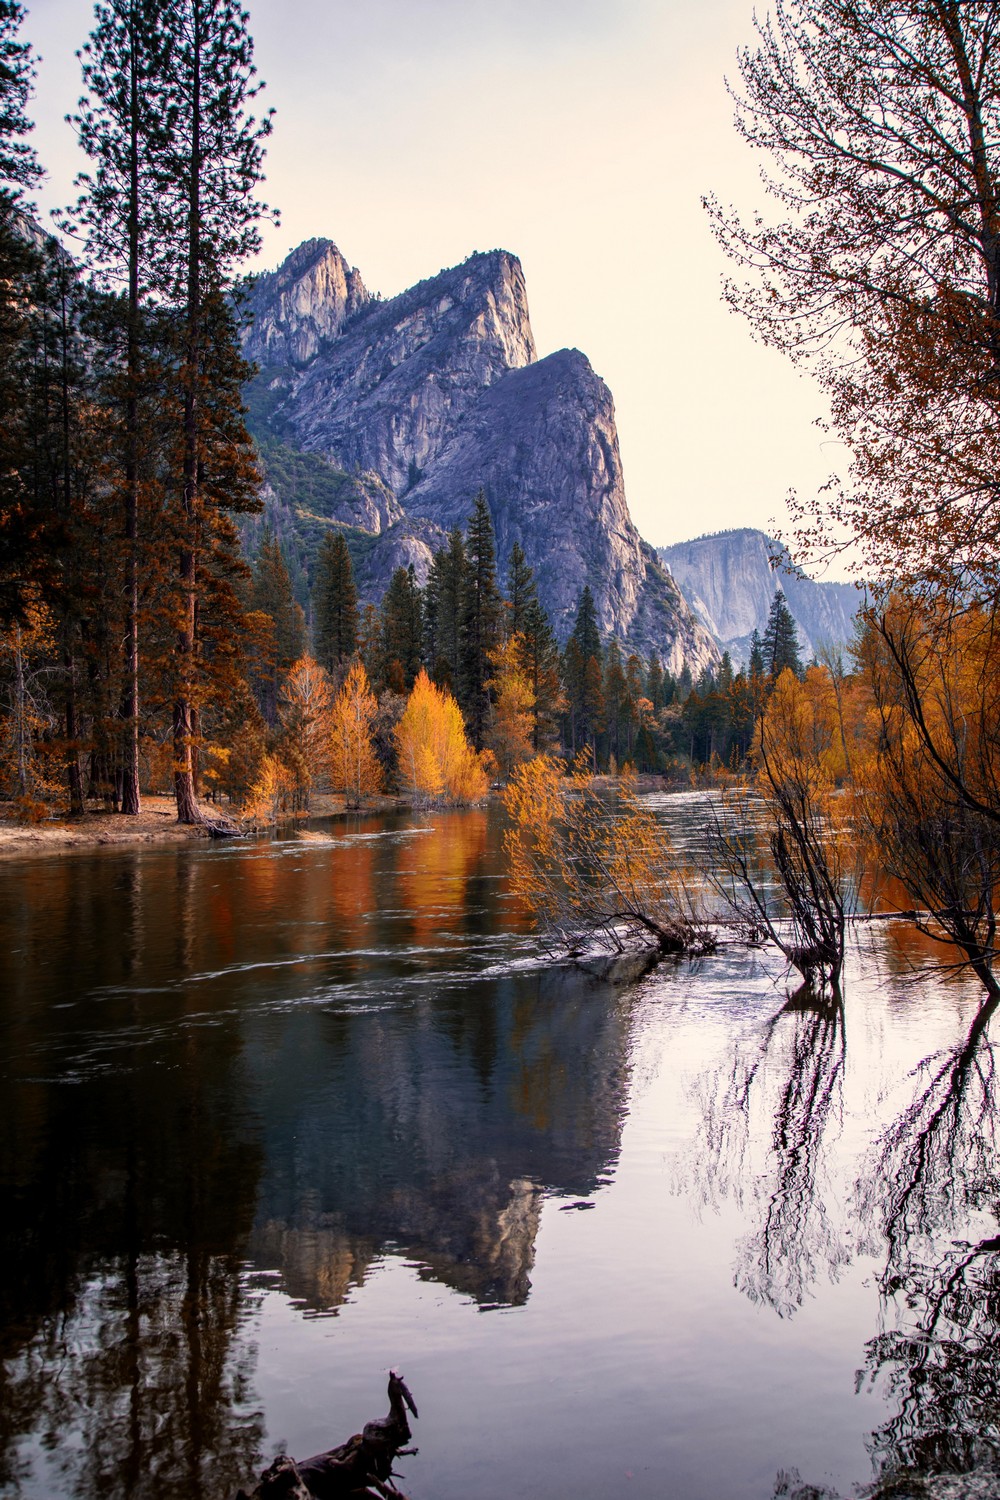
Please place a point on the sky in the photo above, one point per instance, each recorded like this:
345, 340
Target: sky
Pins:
578, 134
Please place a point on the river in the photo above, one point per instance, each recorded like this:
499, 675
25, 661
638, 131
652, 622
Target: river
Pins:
280, 1115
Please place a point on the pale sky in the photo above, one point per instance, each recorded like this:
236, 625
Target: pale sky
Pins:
579, 134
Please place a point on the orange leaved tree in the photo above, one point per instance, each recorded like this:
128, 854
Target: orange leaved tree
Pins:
595, 868
305, 703
355, 768
435, 759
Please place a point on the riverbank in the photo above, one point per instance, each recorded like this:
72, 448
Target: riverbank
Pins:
155, 824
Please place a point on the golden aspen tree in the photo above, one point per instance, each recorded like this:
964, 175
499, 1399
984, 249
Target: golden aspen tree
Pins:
434, 757
511, 723
305, 711
354, 766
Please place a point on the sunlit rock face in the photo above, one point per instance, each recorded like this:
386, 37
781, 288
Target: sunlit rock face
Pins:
439, 393
729, 580
296, 310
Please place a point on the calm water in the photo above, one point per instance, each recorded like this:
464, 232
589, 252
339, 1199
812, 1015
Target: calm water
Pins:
278, 1116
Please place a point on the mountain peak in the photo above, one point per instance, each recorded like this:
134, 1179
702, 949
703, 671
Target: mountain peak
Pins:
297, 309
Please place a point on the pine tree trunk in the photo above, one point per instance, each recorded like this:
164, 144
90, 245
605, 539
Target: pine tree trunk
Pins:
130, 804
187, 806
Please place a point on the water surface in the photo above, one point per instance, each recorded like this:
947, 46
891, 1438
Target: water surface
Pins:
278, 1116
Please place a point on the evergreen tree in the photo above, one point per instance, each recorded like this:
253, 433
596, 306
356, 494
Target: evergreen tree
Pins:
481, 620
756, 664
121, 127
654, 683
585, 629
402, 631
615, 690
27, 536
207, 165
583, 677
283, 633
444, 603
521, 590
541, 661
780, 646
334, 603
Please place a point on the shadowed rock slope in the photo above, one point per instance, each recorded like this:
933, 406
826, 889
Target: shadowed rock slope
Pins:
401, 410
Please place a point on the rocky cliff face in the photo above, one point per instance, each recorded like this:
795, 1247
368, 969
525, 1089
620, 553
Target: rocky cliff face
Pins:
729, 580
295, 311
438, 393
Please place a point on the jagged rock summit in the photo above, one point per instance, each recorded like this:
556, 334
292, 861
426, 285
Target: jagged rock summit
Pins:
418, 402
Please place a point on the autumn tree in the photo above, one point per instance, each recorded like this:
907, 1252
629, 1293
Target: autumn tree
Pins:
510, 731
800, 761
355, 768
434, 757
595, 869
882, 273
305, 713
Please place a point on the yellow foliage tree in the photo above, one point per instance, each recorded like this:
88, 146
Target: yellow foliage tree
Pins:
435, 759
595, 867
354, 766
511, 727
305, 711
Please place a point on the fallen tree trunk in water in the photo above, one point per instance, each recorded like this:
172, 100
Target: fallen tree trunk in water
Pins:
359, 1468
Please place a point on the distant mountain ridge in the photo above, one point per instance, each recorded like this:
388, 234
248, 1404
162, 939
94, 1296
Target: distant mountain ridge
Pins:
728, 579
406, 407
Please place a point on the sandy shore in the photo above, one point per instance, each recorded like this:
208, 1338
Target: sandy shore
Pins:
156, 824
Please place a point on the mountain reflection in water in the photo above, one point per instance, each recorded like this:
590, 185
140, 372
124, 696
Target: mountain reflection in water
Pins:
248, 1087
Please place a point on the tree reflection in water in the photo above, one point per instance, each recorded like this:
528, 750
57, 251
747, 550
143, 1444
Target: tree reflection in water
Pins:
791, 1073
934, 1174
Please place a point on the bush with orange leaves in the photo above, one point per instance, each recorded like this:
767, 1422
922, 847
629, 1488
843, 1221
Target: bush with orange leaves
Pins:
594, 867
435, 761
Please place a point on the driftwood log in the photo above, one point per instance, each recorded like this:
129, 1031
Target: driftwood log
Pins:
359, 1468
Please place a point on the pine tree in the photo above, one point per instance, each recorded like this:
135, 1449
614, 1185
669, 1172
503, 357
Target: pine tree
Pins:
521, 590
207, 165
586, 632
334, 603
281, 625
583, 676
444, 602
26, 536
402, 630
121, 127
756, 663
481, 620
541, 661
780, 646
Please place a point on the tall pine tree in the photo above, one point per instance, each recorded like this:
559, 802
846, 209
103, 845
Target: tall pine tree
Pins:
334, 603
482, 618
208, 164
